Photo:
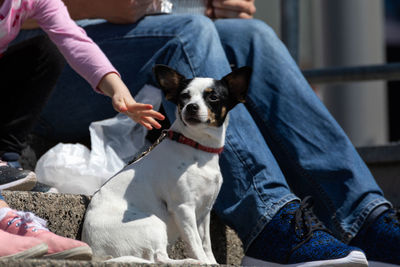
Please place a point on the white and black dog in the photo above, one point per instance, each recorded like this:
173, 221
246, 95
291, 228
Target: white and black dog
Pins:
169, 193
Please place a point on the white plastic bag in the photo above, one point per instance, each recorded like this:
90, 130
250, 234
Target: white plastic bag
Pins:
73, 168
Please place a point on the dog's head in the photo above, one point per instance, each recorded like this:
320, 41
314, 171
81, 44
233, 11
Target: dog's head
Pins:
203, 101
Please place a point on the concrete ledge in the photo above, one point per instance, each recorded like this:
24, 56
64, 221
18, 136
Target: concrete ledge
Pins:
65, 214
62, 263
380, 154
384, 163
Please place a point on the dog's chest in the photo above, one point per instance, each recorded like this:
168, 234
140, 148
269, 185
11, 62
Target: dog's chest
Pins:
196, 167
184, 172
199, 184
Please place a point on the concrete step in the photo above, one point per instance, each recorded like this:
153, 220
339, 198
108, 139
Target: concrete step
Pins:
384, 163
65, 214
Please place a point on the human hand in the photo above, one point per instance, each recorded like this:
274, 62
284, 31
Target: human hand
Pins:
123, 102
217, 9
120, 11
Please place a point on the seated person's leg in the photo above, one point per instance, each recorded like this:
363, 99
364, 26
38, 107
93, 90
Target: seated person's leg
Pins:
314, 153
29, 72
256, 201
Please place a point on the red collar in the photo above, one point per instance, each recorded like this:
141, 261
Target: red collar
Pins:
187, 141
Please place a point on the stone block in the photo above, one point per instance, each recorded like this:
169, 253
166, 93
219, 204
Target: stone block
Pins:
65, 214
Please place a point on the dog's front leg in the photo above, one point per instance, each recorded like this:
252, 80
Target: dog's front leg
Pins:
204, 231
185, 220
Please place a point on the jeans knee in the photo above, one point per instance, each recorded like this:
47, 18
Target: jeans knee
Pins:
248, 30
254, 28
201, 47
198, 26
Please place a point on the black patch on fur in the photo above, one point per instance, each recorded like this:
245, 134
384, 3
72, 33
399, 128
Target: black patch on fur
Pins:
171, 82
224, 94
218, 101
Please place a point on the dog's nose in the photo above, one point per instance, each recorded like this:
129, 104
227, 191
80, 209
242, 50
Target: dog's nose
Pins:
192, 108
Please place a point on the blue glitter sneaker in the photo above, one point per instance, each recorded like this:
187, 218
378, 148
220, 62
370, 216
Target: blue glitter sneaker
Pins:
381, 240
295, 237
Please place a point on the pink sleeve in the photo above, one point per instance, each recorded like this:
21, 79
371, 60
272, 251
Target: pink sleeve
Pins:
83, 55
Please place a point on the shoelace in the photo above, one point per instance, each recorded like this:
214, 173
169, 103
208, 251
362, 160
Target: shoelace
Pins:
306, 223
30, 220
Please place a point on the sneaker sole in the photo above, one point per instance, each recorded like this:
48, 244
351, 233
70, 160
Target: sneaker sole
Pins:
34, 252
78, 253
354, 259
381, 264
24, 184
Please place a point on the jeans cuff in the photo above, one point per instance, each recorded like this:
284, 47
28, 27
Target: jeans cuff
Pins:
362, 217
265, 218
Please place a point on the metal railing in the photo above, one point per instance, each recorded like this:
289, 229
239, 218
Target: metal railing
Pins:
290, 37
356, 73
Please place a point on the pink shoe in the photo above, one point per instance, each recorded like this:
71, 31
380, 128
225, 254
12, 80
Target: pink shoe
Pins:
28, 225
20, 247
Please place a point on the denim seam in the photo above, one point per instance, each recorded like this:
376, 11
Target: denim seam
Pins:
273, 208
187, 55
249, 170
266, 218
317, 187
241, 160
363, 215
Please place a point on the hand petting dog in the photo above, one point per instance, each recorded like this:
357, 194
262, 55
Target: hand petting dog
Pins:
123, 102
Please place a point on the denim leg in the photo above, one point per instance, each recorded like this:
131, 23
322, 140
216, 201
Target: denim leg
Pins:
254, 188
312, 150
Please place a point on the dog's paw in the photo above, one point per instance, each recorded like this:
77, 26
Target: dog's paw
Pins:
129, 259
178, 262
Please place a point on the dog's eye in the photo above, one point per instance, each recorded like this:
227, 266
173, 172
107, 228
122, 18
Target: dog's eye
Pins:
213, 97
185, 96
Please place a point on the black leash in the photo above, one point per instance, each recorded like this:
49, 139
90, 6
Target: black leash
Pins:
144, 153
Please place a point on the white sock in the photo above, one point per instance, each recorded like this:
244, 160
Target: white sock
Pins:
3, 212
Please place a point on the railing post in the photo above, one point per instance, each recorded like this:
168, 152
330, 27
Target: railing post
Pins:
290, 26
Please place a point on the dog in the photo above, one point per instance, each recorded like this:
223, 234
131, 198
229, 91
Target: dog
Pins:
169, 193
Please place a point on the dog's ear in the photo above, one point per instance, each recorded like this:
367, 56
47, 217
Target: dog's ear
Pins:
170, 81
238, 83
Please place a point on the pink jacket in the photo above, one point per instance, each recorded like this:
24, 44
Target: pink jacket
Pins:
83, 55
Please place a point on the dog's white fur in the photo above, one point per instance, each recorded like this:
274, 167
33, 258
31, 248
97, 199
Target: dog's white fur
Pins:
174, 187
165, 195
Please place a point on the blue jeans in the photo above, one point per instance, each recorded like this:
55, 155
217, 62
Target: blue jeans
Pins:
282, 139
